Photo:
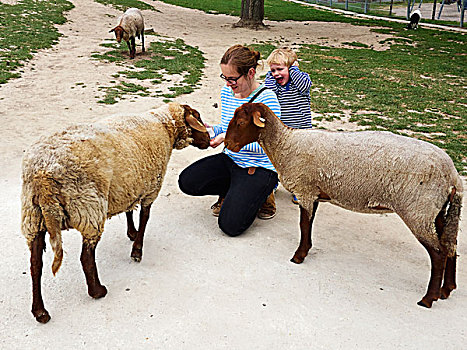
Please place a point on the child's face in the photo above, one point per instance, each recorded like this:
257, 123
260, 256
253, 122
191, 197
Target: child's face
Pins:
280, 72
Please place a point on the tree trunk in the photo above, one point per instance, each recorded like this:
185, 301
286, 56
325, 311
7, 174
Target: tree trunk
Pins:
252, 14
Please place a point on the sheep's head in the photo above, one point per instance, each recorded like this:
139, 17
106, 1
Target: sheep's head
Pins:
245, 126
199, 134
119, 32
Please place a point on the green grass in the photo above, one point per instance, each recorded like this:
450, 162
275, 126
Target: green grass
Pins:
25, 28
274, 10
417, 87
123, 5
164, 58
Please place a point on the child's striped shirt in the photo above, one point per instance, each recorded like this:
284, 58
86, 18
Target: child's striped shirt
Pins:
294, 98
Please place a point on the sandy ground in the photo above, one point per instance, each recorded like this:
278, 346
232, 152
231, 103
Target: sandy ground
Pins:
195, 287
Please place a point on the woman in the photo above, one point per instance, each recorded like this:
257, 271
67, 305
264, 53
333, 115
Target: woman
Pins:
244, 180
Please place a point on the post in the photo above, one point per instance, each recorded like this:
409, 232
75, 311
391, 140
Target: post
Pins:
440, 9
390, 8
464, 4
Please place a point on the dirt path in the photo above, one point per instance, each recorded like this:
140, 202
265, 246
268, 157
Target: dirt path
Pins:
196, 288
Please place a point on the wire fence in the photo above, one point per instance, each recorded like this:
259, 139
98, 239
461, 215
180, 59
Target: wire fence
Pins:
444, 10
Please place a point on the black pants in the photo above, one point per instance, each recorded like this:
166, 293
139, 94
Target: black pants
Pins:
244, 193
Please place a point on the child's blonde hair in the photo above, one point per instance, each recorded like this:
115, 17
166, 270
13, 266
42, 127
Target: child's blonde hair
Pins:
284, 56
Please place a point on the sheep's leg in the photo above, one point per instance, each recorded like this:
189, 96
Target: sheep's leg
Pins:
131, 230
438, 262
129, 47
133, 48
37, 247
88, 262
137, 249
449, 277
142, 39
306, 223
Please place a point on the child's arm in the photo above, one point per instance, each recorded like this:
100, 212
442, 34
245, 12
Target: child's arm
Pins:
300, 79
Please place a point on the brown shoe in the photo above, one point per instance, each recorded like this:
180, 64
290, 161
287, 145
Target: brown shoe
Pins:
268, 209
216, 207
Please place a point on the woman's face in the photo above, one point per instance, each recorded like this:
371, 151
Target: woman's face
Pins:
240, 84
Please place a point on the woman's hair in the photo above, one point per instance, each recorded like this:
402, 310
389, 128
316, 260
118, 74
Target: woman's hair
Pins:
283, 56
242, 57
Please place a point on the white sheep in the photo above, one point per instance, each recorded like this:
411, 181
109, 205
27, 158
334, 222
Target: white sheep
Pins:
415, 17
131, 25
368, 172
85, 174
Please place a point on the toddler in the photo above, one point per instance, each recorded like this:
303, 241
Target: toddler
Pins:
292, 87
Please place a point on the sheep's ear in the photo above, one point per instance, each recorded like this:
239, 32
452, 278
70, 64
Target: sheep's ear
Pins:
258, 119
112, 30
195, 123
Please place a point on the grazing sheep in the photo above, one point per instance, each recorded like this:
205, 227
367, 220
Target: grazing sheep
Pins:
85, 174
368, 172
414, 19
131, 25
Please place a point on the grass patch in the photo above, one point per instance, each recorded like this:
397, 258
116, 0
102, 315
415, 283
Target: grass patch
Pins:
416, 87
403, 89
26, 27
164, 59
280, 10
123, 5
274, 10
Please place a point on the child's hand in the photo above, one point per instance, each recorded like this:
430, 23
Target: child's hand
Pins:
295, 64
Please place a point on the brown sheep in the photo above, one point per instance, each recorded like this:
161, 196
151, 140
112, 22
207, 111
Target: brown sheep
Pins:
86, 174
368, 172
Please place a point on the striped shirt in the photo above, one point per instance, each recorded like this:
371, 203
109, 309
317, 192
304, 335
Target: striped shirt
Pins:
294, 98
252, 155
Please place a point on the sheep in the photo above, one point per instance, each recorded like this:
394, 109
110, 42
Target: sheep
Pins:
414, 19
368, 172
131, 25
79, 177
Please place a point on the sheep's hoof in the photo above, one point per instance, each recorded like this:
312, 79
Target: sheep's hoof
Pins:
136, 254
446, 291
297, 260
98, 292
299, 256
425, 302
42, 316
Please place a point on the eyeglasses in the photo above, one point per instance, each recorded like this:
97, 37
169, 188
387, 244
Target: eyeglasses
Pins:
230, 79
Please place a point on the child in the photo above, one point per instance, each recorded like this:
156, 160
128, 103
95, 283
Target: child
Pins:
292, 88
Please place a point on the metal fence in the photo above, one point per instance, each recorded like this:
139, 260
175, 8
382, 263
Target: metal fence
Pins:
445, 10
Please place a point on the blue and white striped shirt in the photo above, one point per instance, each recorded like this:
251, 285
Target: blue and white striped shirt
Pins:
252, 155
294, 98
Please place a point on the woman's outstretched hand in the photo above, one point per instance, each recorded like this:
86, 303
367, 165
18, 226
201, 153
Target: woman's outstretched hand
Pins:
216, 141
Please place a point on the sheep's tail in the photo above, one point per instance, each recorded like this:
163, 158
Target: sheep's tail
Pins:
451, 228
48, 199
